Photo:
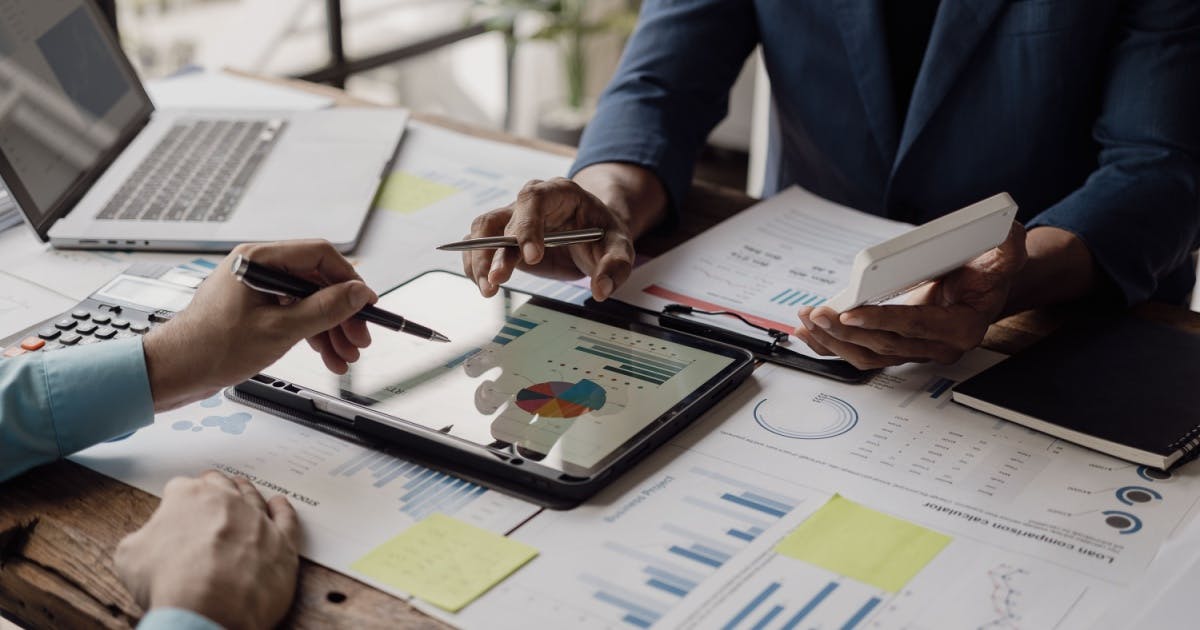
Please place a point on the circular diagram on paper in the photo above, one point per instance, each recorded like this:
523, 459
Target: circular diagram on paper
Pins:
825, 417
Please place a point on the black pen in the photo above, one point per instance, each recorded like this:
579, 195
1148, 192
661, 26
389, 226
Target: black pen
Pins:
267, 280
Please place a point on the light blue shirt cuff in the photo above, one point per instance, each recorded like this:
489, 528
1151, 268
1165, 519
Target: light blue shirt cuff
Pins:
176, 619
98, 392
54, 404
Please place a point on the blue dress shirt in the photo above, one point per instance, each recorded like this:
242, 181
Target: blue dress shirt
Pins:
1086, 111
54, 404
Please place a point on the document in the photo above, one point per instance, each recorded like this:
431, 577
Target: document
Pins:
441, 181
794, 249
70, 272
350, 499
23, 304
1017, 529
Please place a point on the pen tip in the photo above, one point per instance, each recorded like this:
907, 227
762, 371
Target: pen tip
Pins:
437, 336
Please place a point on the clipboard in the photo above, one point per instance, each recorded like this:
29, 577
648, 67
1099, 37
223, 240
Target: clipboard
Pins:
769, 351
673, 317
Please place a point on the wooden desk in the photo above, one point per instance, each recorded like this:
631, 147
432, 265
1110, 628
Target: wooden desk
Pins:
60, 523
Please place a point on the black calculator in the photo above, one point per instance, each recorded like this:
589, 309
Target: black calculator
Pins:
133, 303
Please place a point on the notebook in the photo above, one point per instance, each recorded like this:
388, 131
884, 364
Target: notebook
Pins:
1122, 385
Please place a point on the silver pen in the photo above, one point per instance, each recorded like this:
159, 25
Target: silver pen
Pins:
553, 239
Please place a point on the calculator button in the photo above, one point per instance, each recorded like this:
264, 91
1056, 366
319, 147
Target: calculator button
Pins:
125, 334
159, 317
49, 333
86, 341
120, 323
14, 351
64, 324
70, 339
51, 347
101, 318
82, 315
105, 333
139, 328
32, 343
86, 329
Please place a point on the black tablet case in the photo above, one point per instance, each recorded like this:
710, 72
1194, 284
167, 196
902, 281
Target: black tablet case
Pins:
1122, 379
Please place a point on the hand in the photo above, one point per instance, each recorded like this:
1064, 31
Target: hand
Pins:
941, 322
552, 206
215, 547
230, 332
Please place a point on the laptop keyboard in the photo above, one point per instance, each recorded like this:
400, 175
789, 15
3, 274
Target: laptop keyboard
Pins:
197, 172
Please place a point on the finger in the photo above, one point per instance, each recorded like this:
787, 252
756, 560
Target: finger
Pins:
326, 308
345, 350
615, 264
529, 218
357, 332
218, 479
957, 325
890, 344
250, 494
480, 260
504, 261
857, 356
284, 516
309, 258
803, 334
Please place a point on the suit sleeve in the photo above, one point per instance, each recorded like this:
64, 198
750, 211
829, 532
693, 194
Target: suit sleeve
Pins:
1139, 211
671, 88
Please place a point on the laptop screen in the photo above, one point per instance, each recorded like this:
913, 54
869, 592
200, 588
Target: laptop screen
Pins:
68, 101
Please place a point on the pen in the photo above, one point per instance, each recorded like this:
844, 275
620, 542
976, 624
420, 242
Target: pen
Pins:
553, 239
267, 280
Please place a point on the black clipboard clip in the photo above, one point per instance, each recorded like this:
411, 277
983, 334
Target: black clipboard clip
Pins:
772, 351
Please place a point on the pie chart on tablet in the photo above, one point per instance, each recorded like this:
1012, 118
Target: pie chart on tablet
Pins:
560, 399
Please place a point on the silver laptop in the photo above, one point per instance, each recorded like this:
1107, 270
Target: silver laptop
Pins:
92, 165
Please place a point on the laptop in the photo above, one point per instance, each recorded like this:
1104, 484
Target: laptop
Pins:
93, 165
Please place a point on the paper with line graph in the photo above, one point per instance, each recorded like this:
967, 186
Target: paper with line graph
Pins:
794, 249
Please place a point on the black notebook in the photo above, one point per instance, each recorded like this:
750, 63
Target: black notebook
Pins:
1123, 386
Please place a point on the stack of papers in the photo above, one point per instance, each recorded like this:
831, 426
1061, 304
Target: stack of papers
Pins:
9, 216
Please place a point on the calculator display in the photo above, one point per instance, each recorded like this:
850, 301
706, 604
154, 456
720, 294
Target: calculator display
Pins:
146, 292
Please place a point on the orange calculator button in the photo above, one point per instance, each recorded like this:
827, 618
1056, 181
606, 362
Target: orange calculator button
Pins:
32, 343
14, 351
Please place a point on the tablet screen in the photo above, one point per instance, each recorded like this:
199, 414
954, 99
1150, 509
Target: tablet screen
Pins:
534, 382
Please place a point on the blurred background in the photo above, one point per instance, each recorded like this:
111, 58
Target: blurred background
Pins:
532, 67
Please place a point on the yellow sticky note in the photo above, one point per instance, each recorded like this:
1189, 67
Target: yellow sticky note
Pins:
444, 561
863, 544
406, 193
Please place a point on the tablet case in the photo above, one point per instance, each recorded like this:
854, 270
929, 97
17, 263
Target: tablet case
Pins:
1124, 386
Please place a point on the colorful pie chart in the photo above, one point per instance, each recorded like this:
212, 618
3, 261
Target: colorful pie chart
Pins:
559, 399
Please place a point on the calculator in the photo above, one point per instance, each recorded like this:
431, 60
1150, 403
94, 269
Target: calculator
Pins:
143, 296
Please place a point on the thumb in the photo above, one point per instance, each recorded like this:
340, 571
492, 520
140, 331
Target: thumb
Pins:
328, 307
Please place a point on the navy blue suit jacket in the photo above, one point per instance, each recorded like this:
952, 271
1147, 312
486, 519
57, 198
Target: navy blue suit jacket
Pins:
1086, 111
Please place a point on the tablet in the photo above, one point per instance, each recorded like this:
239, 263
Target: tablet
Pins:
896, 266
545, 394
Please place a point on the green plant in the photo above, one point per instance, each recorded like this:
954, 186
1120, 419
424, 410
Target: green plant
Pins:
569, 23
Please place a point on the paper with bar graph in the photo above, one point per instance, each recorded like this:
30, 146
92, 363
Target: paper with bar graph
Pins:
349, 497
794, 249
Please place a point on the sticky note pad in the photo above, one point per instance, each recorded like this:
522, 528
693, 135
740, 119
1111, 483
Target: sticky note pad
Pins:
407, 193
863, 544
444, 561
